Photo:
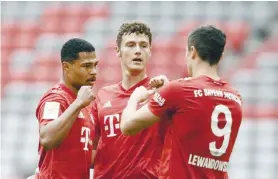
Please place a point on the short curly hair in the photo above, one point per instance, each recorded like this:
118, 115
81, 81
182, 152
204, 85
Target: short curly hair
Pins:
209, 42
133, 27
70, 50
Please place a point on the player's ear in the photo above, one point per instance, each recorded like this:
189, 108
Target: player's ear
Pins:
118, 52
150, 51
193, 52
66, 66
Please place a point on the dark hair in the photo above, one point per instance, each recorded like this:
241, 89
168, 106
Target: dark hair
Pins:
73, 46
209, 43
133, 27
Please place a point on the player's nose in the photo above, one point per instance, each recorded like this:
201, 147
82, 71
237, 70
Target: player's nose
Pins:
137, 50
93, 71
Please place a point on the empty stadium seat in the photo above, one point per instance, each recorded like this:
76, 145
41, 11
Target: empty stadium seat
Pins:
47, 43
21, 60
237, 32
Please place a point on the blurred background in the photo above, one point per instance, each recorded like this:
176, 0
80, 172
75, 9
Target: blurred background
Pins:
33, 32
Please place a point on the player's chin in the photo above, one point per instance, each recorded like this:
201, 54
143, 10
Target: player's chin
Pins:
137, 67
90, 83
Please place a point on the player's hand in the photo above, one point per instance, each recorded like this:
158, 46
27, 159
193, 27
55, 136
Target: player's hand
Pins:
141, 94
85, 96
158, 81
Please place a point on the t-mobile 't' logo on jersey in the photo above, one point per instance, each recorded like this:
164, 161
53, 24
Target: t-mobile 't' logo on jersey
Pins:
86, 138
111, 124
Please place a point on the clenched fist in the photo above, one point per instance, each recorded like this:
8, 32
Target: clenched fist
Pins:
85, 95
141, 94
158, 81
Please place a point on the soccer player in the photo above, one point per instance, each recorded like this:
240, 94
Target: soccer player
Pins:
119, 156
205, 112
64, 115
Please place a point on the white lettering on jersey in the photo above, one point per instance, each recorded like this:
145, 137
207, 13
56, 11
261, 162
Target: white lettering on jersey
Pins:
85, 138
110, 125
198, 93
216, 93
51, 110
209, 163
157, 98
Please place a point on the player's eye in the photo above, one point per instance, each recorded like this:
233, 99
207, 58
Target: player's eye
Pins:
130, 44
87, 65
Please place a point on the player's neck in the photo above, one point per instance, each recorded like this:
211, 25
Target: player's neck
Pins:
129, 80
207, 70
74, 90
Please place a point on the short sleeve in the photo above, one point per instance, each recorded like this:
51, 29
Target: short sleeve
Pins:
164, 101
50, 108
95, 116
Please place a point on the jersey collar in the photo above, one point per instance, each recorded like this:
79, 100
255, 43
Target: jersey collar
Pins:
68, 90
131, 89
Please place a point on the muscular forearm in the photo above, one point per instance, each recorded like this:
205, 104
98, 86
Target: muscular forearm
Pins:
52, 134
126, 124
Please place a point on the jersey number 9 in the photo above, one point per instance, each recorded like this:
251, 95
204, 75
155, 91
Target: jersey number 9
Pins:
220, 132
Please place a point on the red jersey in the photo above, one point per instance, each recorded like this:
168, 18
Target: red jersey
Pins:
72, 158
119, 156
206, 116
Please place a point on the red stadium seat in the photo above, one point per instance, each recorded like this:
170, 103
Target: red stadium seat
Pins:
162, 52
7, 43
162, 58
187, 27
28, 27
71, 25
20, 35
108, 55
161, 44
55, 11
237, 33
50, 25
46, 68
47, 61
24, 40
100, 10
74, 11
5, 56
9, 29
8, 32
27, 35
45, 74
111, 44
72, 18
51, 19
69, 19
5, 73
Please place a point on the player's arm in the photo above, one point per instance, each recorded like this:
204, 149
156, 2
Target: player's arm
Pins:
54, 132
133, 121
